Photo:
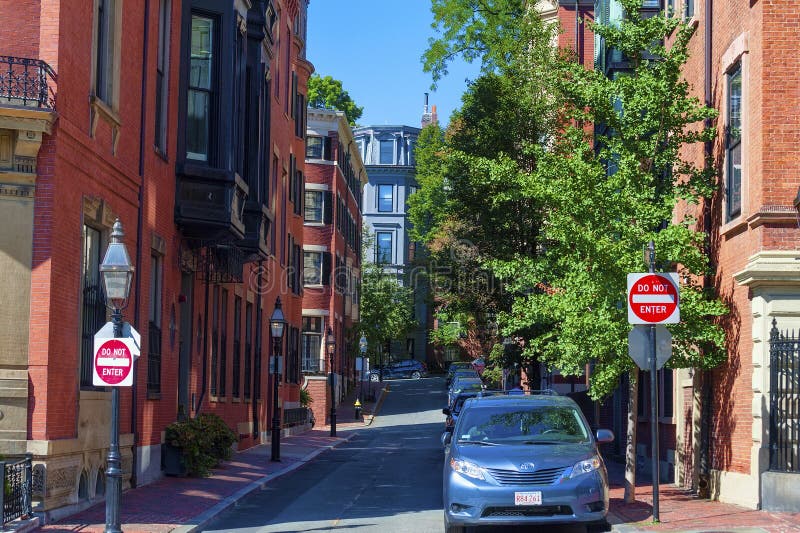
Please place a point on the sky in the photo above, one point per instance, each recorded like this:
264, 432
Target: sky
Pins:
375, 47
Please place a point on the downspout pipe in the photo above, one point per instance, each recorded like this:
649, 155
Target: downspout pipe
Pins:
703, 487
139, 231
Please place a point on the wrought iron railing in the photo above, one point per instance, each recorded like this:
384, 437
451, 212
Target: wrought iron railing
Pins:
93, 318
784, 433
15, 498
27, 82
295, 417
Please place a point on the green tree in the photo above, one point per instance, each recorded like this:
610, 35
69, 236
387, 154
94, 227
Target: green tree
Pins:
387, 306
328, 93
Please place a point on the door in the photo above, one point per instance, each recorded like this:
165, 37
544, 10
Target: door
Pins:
185, 343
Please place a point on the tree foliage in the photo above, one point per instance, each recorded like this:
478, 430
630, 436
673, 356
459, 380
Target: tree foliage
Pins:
386, 307
559, 211
328, 93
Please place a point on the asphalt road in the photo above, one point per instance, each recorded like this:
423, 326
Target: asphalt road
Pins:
388, 478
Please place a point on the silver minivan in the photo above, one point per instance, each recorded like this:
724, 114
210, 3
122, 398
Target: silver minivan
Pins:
524, 459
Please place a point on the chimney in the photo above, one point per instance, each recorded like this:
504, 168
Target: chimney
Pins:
426, 116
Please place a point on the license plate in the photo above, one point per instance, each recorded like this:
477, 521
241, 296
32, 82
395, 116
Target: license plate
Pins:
528, 498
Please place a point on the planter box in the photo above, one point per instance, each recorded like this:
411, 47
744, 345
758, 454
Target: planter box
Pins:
172, 459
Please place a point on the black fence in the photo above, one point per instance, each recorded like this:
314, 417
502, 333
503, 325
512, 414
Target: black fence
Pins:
15, 498
26, 82
784, 423
295, 417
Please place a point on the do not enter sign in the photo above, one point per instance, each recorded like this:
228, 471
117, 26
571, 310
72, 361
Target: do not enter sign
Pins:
653, 299
113, 362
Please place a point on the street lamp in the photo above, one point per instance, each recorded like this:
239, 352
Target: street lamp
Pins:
362, 344
117, 272
276, 325
331, 344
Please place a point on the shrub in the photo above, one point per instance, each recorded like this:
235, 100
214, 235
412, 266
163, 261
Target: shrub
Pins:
305, 398
203, 442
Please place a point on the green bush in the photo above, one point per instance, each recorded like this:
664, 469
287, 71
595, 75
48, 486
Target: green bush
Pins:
204, 441
305, 398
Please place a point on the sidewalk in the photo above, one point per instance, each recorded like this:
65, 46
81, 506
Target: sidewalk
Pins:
680, 510
185, 504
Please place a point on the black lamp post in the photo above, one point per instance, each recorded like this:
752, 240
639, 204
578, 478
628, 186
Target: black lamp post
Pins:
117, 272
331, 344
276, 325
362, 345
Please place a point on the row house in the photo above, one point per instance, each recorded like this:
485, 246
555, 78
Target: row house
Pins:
335, 176
731, 433
185, 120
388, 155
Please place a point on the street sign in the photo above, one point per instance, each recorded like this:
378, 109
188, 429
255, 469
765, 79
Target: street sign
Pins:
113, 362
128, 332
639, 347
653, 298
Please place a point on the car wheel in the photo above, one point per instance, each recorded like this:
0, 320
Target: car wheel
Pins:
374, 377
415, 375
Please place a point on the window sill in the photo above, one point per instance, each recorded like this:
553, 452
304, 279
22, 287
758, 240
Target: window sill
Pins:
161, 154
236, 400
153, 395
314, 286
735, 226
315, 224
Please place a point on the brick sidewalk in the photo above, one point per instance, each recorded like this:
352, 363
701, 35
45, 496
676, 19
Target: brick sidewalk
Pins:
170, 502
680, 510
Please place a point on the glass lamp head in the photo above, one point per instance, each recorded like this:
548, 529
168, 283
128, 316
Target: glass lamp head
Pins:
277, 320
117, 270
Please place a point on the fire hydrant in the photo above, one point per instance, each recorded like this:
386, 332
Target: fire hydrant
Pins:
358, 409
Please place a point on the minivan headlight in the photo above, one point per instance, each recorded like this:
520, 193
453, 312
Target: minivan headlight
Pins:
466, 468
585, 467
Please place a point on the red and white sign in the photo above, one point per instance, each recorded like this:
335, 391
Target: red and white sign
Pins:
653, 299
113, 363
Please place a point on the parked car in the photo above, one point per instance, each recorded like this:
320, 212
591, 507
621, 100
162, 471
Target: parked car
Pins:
521, 460
407, 368
479, 364
463, 384
454, 367
460, 373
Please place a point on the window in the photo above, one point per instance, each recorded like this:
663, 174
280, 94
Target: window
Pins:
312, 268
200, 93
248, 349
214, 340
223, 344
733, 145
313, 206
313, 147
387, 152
106, 57
385, 203
688, 8
237, 347
162, 75
312, 343
93, 308
383, 247
154, 326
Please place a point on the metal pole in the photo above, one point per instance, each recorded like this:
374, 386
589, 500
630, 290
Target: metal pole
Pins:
651, 248
276, 415
113, 471
333, 397
380, 360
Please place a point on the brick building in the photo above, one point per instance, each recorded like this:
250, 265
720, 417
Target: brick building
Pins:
335, 176
185, 120
731, 433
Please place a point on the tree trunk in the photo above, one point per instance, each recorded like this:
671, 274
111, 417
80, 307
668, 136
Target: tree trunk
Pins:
630, 448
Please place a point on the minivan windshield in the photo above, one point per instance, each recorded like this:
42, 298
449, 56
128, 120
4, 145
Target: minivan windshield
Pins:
515, 424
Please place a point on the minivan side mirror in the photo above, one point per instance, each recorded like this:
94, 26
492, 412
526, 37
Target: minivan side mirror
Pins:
447, 438
604, 436
446, 411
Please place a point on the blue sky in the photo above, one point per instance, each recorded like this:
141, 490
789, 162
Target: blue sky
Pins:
374, 47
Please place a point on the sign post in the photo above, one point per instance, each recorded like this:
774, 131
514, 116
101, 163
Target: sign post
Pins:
652, 300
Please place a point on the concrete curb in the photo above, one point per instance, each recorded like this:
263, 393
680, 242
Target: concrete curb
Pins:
203, 519
378, 405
